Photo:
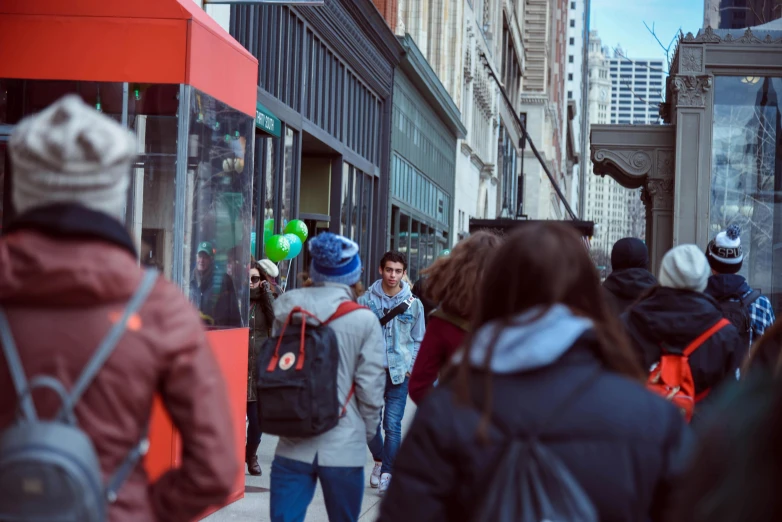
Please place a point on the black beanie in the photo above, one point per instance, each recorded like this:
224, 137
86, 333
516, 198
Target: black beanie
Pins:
629, 252
724, 251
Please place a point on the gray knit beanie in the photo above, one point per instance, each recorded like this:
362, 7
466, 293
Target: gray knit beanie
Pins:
685, 267
71, 153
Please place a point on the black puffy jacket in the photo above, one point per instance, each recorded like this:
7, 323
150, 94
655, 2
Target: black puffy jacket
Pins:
624, 287
677, 317
624, 445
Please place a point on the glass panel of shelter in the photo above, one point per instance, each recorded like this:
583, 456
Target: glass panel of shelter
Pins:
747, 175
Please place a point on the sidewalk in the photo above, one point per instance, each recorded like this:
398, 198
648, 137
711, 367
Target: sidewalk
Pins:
255, 504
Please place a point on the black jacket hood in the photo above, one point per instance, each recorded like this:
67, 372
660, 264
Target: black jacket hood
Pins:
724, 285
673, 316
629, 283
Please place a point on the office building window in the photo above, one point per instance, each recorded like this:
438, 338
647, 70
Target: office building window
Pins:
572, 41
570, 59
572, 23
570, 77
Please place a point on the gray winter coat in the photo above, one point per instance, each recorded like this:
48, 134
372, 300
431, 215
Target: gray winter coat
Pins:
360, 361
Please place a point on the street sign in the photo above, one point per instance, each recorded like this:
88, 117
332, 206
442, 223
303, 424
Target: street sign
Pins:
266, 121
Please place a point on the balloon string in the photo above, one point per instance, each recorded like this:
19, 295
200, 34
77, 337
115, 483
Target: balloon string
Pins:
285, 286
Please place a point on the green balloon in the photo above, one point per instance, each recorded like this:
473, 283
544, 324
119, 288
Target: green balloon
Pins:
268, 224
298, 228
277, 248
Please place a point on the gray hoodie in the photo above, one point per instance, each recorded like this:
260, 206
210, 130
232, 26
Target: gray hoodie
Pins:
524, 345
360, 362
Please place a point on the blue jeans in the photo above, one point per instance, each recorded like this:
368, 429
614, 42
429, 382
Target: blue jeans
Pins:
293, 486
396, 400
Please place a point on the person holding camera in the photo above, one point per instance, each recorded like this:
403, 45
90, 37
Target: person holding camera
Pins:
263, 291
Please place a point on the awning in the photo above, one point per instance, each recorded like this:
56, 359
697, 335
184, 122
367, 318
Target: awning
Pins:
266, 121
144, 41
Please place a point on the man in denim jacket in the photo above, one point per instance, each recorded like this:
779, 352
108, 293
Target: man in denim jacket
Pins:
402, 336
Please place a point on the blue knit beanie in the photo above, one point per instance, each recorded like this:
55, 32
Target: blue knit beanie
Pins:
334, 259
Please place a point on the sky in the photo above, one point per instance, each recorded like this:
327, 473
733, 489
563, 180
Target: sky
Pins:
621, 22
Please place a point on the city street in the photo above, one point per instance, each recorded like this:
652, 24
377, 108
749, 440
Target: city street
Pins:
255, 504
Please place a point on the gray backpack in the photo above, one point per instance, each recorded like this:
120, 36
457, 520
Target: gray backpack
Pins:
49, 469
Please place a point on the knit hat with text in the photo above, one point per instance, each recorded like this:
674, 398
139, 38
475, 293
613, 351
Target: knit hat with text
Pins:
71, 153
335, 259
724, 251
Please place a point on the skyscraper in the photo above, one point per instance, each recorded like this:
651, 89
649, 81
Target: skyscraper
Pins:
636, 89
738, 14
624, 91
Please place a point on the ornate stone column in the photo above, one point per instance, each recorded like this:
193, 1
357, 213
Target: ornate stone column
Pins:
641, 156
690, 95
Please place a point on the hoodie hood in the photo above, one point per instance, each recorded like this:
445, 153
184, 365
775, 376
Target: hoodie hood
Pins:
630, 283
386, 302
66, 256
723, 285
526, 346
321, 300
674, 316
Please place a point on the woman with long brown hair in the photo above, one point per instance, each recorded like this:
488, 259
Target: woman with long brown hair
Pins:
453, 282
547, 365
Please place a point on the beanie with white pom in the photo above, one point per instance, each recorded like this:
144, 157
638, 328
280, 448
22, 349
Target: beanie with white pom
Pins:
724, 251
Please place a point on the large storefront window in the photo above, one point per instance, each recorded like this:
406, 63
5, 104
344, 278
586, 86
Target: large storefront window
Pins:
356, 215
747, 174
417, 239
217, 211
5, 191
287, 195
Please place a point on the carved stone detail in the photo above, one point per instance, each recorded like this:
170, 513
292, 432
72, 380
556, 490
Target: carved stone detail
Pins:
633, 163
748, 38
657, 194
691, 90
692, 59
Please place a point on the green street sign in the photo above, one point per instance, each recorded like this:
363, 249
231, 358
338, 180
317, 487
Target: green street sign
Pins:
266, 121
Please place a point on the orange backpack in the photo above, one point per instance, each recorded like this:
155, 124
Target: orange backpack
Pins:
672, 376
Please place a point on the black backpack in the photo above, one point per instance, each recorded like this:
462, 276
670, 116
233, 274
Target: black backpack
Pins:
297, 378
49, 469
735, 309
531, 484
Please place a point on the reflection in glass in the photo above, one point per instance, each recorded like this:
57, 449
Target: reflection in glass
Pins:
344, 214
366, 217
153, 117
415, 249
219, 191
747, 172
287, 212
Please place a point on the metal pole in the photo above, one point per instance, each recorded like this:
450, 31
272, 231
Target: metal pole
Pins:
528, 138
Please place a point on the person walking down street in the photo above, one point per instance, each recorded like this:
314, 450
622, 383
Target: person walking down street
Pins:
261, 321
68, 268
548, 367
677, 313
401, 315
336, 457
747, 308
453, 281
630, 276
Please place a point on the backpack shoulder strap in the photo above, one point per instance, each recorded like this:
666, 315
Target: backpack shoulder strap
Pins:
398, 309
750, 298
109, 343
343, 309
15, 368
705, 336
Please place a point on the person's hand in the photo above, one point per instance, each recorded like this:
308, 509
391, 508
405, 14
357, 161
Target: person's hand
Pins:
265, 285
407, 374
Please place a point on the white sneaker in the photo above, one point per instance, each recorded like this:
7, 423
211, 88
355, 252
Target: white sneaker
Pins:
374, 478
385, 481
